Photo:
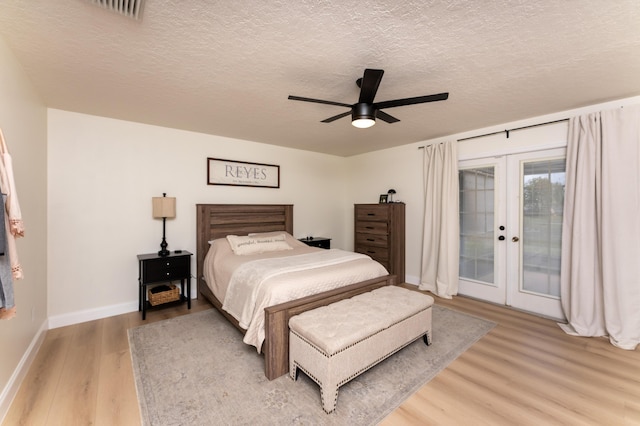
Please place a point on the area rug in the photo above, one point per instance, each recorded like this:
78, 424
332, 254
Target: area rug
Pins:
195, 370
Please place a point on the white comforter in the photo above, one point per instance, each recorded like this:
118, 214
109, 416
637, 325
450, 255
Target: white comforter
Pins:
255, 283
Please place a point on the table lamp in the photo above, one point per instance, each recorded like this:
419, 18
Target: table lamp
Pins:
391, 192
164, 207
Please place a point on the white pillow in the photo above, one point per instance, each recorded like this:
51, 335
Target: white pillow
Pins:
252, 245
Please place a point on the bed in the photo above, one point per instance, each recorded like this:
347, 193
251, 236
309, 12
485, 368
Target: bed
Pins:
216, 221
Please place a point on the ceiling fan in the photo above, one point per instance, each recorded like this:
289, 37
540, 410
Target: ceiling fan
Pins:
365, 111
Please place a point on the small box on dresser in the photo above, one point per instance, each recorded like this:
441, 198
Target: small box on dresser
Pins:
380, 234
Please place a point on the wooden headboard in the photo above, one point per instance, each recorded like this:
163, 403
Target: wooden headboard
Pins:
219, 220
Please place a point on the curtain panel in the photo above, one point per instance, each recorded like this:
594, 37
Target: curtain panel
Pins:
600, 275
441, 236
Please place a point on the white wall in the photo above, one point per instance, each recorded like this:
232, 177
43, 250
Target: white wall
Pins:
23, 122
400, 168
102, 176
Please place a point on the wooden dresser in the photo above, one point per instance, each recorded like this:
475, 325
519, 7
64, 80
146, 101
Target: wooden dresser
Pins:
380, 233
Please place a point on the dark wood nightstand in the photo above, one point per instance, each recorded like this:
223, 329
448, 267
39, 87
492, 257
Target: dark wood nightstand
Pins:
322, 242
155, 269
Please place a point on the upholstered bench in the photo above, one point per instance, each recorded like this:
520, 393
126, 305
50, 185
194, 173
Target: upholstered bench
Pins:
335, 343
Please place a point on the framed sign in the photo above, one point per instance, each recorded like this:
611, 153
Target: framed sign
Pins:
241, 173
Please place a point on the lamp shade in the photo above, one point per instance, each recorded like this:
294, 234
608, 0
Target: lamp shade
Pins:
164, 207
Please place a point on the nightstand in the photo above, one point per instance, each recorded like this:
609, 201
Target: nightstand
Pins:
155, 269
322, 242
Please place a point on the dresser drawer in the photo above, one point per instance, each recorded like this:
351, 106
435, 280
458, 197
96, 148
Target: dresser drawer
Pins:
380, 254
371, 239
168, 269
365, 227
376, 212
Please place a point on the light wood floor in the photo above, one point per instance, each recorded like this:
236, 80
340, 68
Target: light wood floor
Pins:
525, 371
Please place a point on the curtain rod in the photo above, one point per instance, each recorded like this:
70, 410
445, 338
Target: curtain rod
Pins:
507, 131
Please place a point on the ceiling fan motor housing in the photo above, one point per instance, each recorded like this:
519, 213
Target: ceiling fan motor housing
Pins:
363, 110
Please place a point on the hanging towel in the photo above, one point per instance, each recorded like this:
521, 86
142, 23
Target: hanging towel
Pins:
13, 218
7, 305
3, 229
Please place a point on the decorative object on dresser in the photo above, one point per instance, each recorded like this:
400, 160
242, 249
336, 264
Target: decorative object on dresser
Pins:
164, 207
383, 198
390, 194
322, 242
380, 233
156, 269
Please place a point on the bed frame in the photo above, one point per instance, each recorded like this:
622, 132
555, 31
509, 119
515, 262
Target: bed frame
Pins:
218, 221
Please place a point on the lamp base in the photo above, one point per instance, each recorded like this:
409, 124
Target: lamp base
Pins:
163, 245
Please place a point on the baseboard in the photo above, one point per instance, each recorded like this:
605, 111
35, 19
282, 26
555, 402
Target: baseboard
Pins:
91, 314
94, 314
410, 279
11, 389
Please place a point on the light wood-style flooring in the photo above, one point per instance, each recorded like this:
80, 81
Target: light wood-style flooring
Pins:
525, 371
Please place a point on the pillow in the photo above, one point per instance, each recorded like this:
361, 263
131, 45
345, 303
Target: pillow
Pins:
254, 244
268, 234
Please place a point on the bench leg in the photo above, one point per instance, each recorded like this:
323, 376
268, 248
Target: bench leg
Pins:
293, 372
427, 339
329, 397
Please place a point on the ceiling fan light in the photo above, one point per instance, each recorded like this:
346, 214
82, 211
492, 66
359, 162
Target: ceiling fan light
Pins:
363, 115
363, 123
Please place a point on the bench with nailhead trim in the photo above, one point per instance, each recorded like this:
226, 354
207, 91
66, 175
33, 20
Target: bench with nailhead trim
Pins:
335, 343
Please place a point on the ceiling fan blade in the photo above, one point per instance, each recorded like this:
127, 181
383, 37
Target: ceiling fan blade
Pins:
318, 101
336, 117
386, 117
369, 85
412, 101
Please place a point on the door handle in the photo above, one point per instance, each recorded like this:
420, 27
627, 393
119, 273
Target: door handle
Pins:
515, 239
501, 237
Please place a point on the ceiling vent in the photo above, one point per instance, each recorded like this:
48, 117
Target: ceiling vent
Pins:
130, 8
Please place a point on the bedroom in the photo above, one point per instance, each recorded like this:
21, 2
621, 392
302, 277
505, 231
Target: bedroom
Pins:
87, 205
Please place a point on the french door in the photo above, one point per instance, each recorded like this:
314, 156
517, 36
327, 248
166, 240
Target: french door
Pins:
510, 230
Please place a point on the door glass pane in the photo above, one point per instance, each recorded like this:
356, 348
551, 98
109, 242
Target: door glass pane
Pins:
543, 200
476, 223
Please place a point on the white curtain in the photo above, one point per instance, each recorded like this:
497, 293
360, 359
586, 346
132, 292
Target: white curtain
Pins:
441, 238
600, 278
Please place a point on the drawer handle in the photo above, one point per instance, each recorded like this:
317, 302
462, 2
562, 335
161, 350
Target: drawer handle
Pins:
369, 227
370, 239
167, 274
168, 264
371, 214
370, 251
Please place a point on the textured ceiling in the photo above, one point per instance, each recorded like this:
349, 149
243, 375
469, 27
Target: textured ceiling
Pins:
227, 67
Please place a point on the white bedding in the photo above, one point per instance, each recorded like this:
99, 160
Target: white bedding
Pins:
245, 299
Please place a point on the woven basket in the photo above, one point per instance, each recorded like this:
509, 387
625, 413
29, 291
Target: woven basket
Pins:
163, 294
